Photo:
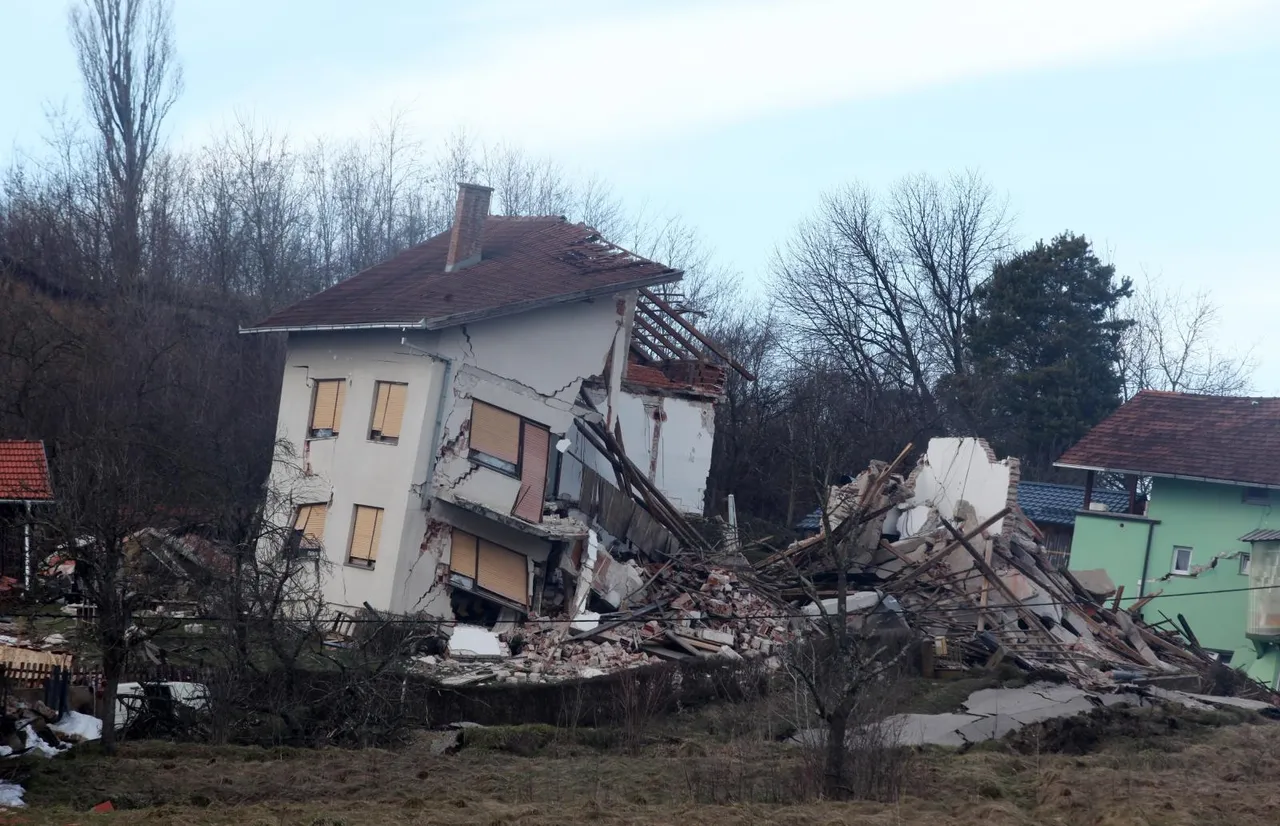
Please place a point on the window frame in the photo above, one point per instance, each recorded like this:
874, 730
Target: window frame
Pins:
1260, 497
297, 543
365, 564
488, 460
1245, 559
376, 436
315, 434
1173, 566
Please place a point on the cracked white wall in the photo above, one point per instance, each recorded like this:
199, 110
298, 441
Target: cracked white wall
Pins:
349, 469
533, 365
670, 439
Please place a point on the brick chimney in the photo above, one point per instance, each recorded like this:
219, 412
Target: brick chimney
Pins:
467, 238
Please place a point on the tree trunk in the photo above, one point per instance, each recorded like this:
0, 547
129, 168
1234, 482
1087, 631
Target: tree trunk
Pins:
112, 669
834, 784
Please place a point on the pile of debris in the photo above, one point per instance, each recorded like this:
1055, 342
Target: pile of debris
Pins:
693, 611
949, 545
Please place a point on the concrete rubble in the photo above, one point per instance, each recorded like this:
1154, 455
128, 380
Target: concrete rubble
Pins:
942, 548
970, 574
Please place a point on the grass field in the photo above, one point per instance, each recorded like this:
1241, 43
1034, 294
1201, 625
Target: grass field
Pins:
1153, 768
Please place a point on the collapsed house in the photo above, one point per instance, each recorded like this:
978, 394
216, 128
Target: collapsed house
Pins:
945, 545
456, 421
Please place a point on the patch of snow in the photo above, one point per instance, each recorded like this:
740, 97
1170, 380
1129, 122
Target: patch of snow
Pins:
474, 641
586, 621
75, 724
11, 796
36, 743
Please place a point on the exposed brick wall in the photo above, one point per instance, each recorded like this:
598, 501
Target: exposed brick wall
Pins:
467, 238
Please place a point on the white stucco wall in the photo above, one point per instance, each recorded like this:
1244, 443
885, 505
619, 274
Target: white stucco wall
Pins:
955, 469
349, 469
678, 460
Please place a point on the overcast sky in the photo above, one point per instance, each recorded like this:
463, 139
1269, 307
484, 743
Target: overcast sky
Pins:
1152, 126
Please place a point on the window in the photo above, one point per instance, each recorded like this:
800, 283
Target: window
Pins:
495, 438
366, 532
388, 412
327, 399
1244, 564
514, 446
1257, 496
478, 562
1181, 560
308, 529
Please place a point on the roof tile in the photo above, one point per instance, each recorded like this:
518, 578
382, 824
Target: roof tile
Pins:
525, 260
1224, 438
24, 471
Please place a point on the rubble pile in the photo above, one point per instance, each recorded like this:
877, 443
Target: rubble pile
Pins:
944, 546
692, 611
949, 545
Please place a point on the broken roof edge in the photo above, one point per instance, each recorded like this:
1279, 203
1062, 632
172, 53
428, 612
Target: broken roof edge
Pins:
420, 324
1244, 483
442, 322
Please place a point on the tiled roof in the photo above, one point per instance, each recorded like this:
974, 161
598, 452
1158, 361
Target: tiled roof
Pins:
1050, 504
1262, 535
1042, 503
24, 472
526, 262
1218, 438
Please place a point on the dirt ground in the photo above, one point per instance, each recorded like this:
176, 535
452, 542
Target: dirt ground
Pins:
721, 767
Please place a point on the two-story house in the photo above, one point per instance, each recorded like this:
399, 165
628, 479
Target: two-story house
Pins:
433, 409
1209, 538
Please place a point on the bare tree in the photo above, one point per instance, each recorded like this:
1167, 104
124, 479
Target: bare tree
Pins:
846, 668
1170, 345
885, 284
131, 79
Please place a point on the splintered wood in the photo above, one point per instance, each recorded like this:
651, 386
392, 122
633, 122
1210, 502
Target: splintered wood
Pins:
982, 586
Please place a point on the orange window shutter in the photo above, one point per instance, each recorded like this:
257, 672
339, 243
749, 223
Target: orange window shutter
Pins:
364, 534
503, 572
533, 473
311, 521
380, 405
394, 415
323, 405
462, 556
377, 535
495, 432
340, 401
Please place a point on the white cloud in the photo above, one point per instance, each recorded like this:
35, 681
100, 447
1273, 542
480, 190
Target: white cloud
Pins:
579, 75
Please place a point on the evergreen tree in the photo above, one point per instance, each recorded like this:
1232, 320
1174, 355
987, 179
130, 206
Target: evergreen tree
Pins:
1043, 341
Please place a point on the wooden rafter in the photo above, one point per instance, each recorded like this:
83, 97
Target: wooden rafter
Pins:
696, 333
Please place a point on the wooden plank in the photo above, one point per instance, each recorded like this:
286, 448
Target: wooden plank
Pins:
1032, 621
937, 556
696, 333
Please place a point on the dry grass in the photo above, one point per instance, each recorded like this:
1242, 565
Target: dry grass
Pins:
1165, 772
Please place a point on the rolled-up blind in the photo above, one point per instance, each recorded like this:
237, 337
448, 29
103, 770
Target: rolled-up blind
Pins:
366, 533
311, 520
338, 404
324, 408
495, 432
381, 395
394, 415
462, 556
503, 572
533, 473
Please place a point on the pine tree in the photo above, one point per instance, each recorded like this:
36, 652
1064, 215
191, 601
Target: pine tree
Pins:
1044, 342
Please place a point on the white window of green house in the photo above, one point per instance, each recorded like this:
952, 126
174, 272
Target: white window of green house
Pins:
1181, 560
1244, 564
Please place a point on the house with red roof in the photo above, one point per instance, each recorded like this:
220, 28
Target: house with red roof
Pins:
24, 483
443, 412
1205, 554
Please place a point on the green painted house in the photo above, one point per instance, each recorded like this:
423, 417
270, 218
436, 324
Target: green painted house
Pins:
1208, 541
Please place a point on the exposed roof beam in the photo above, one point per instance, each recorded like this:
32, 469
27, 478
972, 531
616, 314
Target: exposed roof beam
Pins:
711, 345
